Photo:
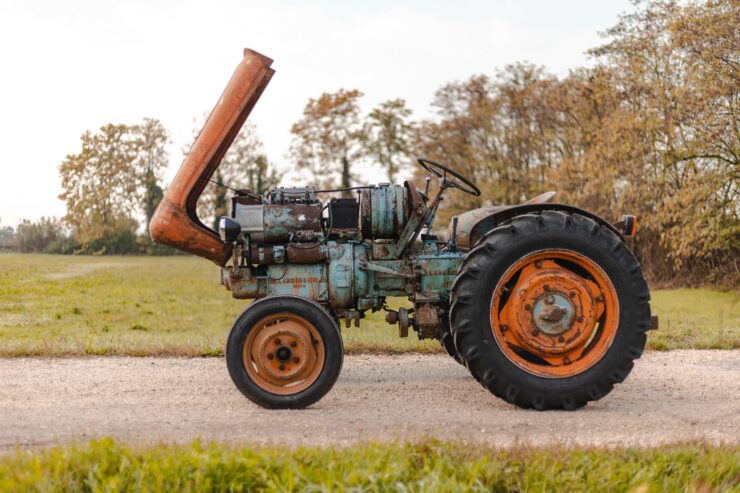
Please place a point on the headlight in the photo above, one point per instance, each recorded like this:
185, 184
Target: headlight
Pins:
228, 229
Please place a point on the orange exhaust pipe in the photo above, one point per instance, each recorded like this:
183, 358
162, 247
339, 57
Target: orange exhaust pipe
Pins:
175, 222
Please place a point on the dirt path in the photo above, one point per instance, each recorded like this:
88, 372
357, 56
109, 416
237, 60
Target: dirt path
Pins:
671, 396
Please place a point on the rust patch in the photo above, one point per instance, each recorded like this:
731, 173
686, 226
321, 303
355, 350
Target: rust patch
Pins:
306, 253
175, 222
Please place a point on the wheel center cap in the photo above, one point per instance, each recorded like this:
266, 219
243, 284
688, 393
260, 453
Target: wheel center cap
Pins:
553, 313
283, 353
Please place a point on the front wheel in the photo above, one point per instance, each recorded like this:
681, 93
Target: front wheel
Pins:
550, 310
284, 352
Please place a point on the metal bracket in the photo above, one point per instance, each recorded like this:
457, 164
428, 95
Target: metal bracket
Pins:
384, 270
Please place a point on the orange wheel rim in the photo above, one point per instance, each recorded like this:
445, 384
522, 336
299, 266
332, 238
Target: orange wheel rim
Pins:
283, 354
554, 313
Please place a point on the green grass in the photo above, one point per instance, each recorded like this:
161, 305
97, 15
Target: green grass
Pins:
426, 466
74, 305
696, 319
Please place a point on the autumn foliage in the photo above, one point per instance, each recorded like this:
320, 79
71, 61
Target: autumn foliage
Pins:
652, 128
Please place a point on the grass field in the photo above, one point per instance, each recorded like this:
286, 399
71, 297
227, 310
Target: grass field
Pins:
426, 466
74, 305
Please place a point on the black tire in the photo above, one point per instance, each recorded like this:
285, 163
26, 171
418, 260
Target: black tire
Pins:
448, 342
306, 309
487, 263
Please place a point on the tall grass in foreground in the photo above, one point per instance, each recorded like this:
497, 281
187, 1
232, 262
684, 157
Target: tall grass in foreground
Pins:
426, 466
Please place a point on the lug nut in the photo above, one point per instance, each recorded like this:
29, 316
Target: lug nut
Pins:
599, 298
549, 299
296, 360
277, 342
561, 339
546, 287
293, 344
580, 318
572, 294
282, 367
536, 332
538, 263
527, 307
504, 328
567, 360
270, 355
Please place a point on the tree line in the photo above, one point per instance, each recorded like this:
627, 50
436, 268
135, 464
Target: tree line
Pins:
651, 127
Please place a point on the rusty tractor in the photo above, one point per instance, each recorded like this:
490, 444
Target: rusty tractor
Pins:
544, 303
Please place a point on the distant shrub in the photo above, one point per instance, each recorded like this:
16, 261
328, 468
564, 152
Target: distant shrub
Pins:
63, 246
36, 236
148, 247
118, 242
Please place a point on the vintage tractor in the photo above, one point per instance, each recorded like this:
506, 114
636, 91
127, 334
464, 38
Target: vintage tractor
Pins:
544, 303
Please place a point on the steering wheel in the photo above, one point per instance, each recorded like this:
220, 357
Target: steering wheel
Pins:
441, 171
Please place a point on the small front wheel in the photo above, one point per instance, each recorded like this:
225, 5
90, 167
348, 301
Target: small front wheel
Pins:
284, 352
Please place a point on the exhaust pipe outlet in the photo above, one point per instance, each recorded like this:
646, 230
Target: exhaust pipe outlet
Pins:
175, 222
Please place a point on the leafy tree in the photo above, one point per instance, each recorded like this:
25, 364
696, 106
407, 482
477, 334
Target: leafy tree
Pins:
100, 183
388, 132
651, 128
496, 131
329, 138
115, 176
662, 139
151, 139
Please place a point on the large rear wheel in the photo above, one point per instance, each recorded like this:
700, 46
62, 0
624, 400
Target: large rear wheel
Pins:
284, 352
447, 341
550, 310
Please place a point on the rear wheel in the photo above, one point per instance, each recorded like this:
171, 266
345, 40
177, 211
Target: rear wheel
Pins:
550, 310
447, 341
284, 352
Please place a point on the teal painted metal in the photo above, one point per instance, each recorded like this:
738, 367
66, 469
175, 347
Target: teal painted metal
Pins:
543, 310
288, 254
283, 222
348, 275
437, 273
305, 280
341, 278
387, 209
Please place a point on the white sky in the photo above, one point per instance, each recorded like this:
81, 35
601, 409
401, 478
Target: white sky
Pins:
67, 66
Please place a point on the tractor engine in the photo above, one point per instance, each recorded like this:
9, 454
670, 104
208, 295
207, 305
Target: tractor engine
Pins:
347, 254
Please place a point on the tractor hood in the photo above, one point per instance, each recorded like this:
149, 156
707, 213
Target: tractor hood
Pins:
175, 222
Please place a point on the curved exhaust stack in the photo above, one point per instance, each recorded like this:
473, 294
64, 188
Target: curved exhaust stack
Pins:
175, 222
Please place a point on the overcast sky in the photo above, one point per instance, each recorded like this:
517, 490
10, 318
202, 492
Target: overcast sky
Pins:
68, 66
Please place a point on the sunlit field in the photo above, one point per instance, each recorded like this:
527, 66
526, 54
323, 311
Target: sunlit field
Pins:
77, 305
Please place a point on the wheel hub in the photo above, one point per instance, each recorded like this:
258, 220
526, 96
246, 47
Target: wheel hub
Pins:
284, 354
552, 312
281, 351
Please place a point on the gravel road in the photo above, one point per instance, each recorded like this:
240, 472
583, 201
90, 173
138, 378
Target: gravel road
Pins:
670, 396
